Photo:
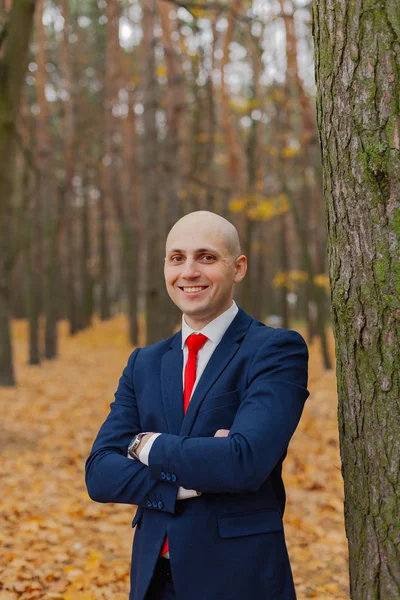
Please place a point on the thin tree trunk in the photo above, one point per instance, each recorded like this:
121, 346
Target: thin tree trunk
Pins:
247, 288
316, 304
50, 290
156, 296
132, 213
13, 63
176, 114
259, 275
30, 280
73, 303
115, 179
86, 275
357, 56
105, 311
316, 293
46, 190
232, 148
284, 266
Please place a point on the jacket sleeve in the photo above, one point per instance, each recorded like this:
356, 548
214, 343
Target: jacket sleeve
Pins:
110, 475
268, 415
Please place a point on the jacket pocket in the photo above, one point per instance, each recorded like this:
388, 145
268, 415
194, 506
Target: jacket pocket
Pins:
262, 521
137, 517
221, 401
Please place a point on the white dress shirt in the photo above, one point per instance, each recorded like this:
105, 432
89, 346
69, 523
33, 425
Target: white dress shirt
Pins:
214, 331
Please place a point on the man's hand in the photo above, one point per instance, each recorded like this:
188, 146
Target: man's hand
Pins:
222, 433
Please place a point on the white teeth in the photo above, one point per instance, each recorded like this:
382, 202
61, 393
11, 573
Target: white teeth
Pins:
193, 289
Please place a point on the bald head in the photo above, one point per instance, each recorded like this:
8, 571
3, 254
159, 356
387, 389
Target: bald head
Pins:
209, 223
203, 263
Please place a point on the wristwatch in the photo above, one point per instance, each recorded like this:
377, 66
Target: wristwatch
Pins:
134, 444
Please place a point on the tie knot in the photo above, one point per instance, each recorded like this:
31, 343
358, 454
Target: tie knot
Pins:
196, 341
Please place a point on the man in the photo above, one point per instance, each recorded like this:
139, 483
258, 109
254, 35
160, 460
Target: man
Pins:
207, 416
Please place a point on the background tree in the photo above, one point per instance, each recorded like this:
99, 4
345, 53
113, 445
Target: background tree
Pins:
357, 56
16, 26
138, 112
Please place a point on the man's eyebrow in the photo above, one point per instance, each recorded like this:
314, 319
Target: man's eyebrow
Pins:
198, 251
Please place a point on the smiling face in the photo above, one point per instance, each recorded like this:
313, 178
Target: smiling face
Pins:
202, 264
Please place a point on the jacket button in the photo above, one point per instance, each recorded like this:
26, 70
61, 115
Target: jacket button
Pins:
173, 477
160, 504
168, 476
162, 475
155, 504
149, 504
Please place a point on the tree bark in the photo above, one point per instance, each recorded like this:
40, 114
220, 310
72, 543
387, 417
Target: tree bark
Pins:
31, 282
132, 241
86, 254
284, 264
46, 189
119, 181
13, 63
357, 55
158, 321
73, 304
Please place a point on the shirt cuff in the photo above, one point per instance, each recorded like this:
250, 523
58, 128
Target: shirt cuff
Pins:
145, 451
183, 493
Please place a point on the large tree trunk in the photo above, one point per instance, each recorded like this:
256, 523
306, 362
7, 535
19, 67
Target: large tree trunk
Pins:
13, 62
357, 57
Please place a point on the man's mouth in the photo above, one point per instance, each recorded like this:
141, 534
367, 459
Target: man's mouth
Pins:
193, 289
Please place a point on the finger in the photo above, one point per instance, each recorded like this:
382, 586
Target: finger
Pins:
222, 433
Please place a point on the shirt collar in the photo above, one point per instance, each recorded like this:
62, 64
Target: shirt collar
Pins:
215, 329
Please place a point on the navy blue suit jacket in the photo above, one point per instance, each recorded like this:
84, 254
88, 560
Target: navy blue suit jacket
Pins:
229, 541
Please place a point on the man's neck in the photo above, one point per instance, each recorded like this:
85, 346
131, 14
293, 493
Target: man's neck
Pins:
199, 325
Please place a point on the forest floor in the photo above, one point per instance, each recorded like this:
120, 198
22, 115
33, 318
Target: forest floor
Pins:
55, 543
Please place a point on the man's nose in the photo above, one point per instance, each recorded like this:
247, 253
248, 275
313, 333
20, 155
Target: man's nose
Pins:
191, 269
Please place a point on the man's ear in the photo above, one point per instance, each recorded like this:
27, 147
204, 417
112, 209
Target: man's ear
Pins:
240, 268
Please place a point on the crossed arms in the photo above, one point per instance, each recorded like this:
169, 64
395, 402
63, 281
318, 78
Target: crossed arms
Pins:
267, 417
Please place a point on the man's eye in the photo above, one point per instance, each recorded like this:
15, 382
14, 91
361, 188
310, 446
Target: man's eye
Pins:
176, 258
208, 257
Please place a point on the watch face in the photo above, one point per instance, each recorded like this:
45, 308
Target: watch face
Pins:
132, 446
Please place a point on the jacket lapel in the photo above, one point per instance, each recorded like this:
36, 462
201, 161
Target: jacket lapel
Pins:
171, 384
220, 358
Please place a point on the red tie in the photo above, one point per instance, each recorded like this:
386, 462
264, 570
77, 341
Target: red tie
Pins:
194, 342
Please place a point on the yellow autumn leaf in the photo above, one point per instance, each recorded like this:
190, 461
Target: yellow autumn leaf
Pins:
279, 280
236, 206
298, 276
322, 280
271, 150
200, 13
291, 151
289, 279
264, 209
161, 71
240, 105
